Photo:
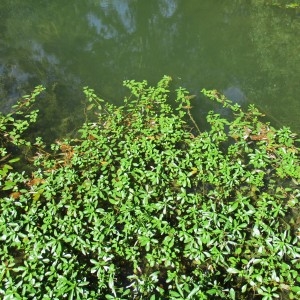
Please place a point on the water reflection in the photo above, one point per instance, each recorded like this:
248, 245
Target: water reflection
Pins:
168, 7
12, 77
229, 46
125, 14
235, 94
40, 55
106, 31
106, 17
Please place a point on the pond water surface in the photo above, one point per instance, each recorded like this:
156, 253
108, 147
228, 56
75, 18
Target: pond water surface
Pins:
245, 49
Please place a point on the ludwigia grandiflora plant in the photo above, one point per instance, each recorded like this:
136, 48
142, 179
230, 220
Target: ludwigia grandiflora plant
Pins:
141, 206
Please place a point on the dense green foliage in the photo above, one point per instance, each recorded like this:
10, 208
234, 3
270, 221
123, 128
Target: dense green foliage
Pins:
142, 206
284, 3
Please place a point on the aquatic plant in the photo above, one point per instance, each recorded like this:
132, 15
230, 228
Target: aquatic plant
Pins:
143, 204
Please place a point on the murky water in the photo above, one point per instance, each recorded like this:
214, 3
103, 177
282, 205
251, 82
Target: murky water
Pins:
248, 50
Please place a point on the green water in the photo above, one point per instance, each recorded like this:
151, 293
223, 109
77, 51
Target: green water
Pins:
246, 49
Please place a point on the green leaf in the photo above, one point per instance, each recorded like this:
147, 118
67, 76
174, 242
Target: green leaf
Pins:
296, 289
14, 160
232, 270
233, 207
175, 295
232, 293
90, 106
113, 201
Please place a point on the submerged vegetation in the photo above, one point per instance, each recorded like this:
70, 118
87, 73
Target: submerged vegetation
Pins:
143, 204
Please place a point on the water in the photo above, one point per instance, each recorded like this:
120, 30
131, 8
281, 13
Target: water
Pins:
248, 50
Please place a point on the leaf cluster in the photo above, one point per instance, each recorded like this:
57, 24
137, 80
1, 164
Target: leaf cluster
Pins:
142, 206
